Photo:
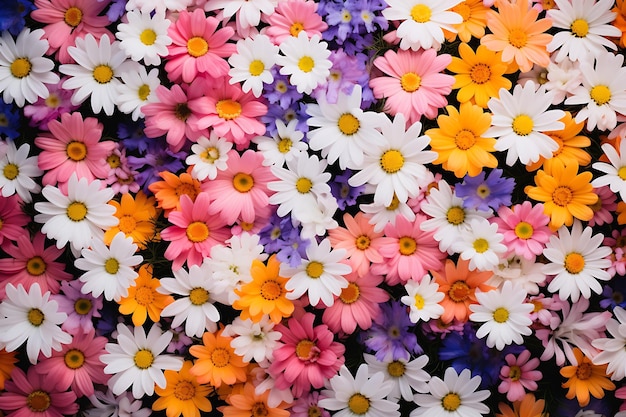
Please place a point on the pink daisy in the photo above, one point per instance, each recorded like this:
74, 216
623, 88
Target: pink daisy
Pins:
307, 357
12, 219
172, 116
80, 308
604, 207
230, 113
292, 17
525, 229
413, 84
30, 395
197, 47
194, 232
518, 375
43, 110
73, 146
358, 304
360, 241
408, 251
32, 262
241, 189
77, 365
67, 20
617, 243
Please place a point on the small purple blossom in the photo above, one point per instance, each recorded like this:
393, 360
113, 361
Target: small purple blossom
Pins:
158, 158
344, 193
281, 91
80, 308
274, 111
280, 237
484, 193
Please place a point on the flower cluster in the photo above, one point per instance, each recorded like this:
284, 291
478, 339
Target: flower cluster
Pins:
361, 208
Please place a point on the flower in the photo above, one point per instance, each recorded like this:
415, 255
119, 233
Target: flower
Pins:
252, 63
80, 308
209, 155
13, 219
251, 402
305, 60
292, 17
17, 170
524, 228
527, 407
480, 244
585, 378
407, 376
182, 394
485, 193
253, 340
423, 299
170, 190
137, 89
144, 300
520, 373
613, 171
136, 219
284, 145
144, 36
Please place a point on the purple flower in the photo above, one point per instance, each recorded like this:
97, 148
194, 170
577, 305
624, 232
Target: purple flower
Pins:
274, 111
346, 72
280, 237
345, 194
80, 308
158, 158
13, 13
484, 193
351, 19
9, 121
281, 91
132, 136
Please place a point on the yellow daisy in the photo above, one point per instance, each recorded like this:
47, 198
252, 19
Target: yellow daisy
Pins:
143, 298
137, 217
474, 14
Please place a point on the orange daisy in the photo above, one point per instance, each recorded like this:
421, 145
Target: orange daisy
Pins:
7, 363
249, 403
217, 361
182, 395
516, 32
620, 20
565, 194
143, 298
168, 191
474, 14
459, 284
137, 217
585, 378
621, 213
527, 407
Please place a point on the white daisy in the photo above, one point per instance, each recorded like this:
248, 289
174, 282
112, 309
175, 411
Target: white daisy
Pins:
453, 396
320, 275
98, 66
252, 63
407, 376
209, 156
195, 306
136, 360
612, 350
395, 163
578, 262
603, 91
158, 6
562, 79
253, 340
505, 314
360, 396
614, 172
23, 69
138, 88
17, 171
110, 270
78, 216
305, 61
144, 36
525, 273
423, 299
31, 317
316, 219
380, 214
519, 120
283, 146
481, 244
423, 21
345, 131
587, 29
248, 11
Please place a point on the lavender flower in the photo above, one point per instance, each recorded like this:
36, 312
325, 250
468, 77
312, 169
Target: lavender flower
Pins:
158, 158
281, 237
483, 193
345, 194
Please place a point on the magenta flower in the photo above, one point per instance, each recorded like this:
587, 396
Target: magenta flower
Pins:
518, 375
12, 219
525, 229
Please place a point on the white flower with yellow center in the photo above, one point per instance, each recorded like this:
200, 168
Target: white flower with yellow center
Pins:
78, 216
208, 156
505, 315
283, 146
248, 11
137, 89
23, 69
423, 299
109, 270
305, 61
253, 340
577, 262
344, 131
423, 21
615, 171
144, 36
407, 376
17, 171
31, 317
136, 360
99, 64
481, 244
395, 163
519, 120
252, 63
380, 214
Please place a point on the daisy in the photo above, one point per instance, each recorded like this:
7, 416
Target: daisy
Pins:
17, 171
584, 379
292, 17
474, 14
31, 317
284, 145
99, 64
143, 300
248, 12
253, 401
169, 192
182, 394
524, 228
23, 69
423, 21
527, 407
578, 262
144, 36
345, 131
138, 88
481, 245
252, 63
360, 395
208, 156
81, 309
614, 170
423, 299
136, 219
77, 217
611, 348
586, 27
407, 376
395, 162
137, 360
518, 375
519, 120
305, 60
109, 270
455, 395
253, 340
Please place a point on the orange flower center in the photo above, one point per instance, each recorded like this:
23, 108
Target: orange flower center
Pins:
220, 357
184, 390
459, 291
185, 188
38, 401
362, 242
348, 124
518, 38
465, 139
76, 151
36, 266
271, 290
127, 224
410, 82
480, 73
228, 109
306, 350
584, 371
350, 294
20, 68
574, 263
562, 196
243, 182
197, 46
144, 296
197, 232
74, 359
73, 16
407, 245
296, 28
259, 410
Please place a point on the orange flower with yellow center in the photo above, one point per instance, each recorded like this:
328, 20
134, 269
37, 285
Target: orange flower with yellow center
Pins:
250, 404
217, 361
182, 395
168, 191
474, 14
137, 217
143, 298
585, 379
527, 407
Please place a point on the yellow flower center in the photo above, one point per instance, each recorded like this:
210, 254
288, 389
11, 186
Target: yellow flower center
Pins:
518, 38
306, 349
144, 296
314, 411
114, 160
197, 46
621, 173
359, 404
464, 10
574, 263
501, 315
256, 67
419, 301
562, 196
228, 109
523, 125
182, 111
295, 29
601, 94
11, 171
515, 373
306, 64
483, 191
36, 317
584, 371
21, 67
350, 294
73, 16
407, 245
394, 203
579, 28
465, 139
304, 185
143, 359
103, 74
184, 390
53, 101
198, 296
82, 306
38, 401
481, 245
455, 215
451, 401
524, 230
480, 73
271, 290
111, 266
74, 358
421, 13
76, 151
210, 155
36, 266
197, 232
76, 211
459, 291
127, 224
243, 182
362, 242
284, 145
143, 92
220, 357
148, 37
392, 161
348, 124
396, 369
315, 269
410, 82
